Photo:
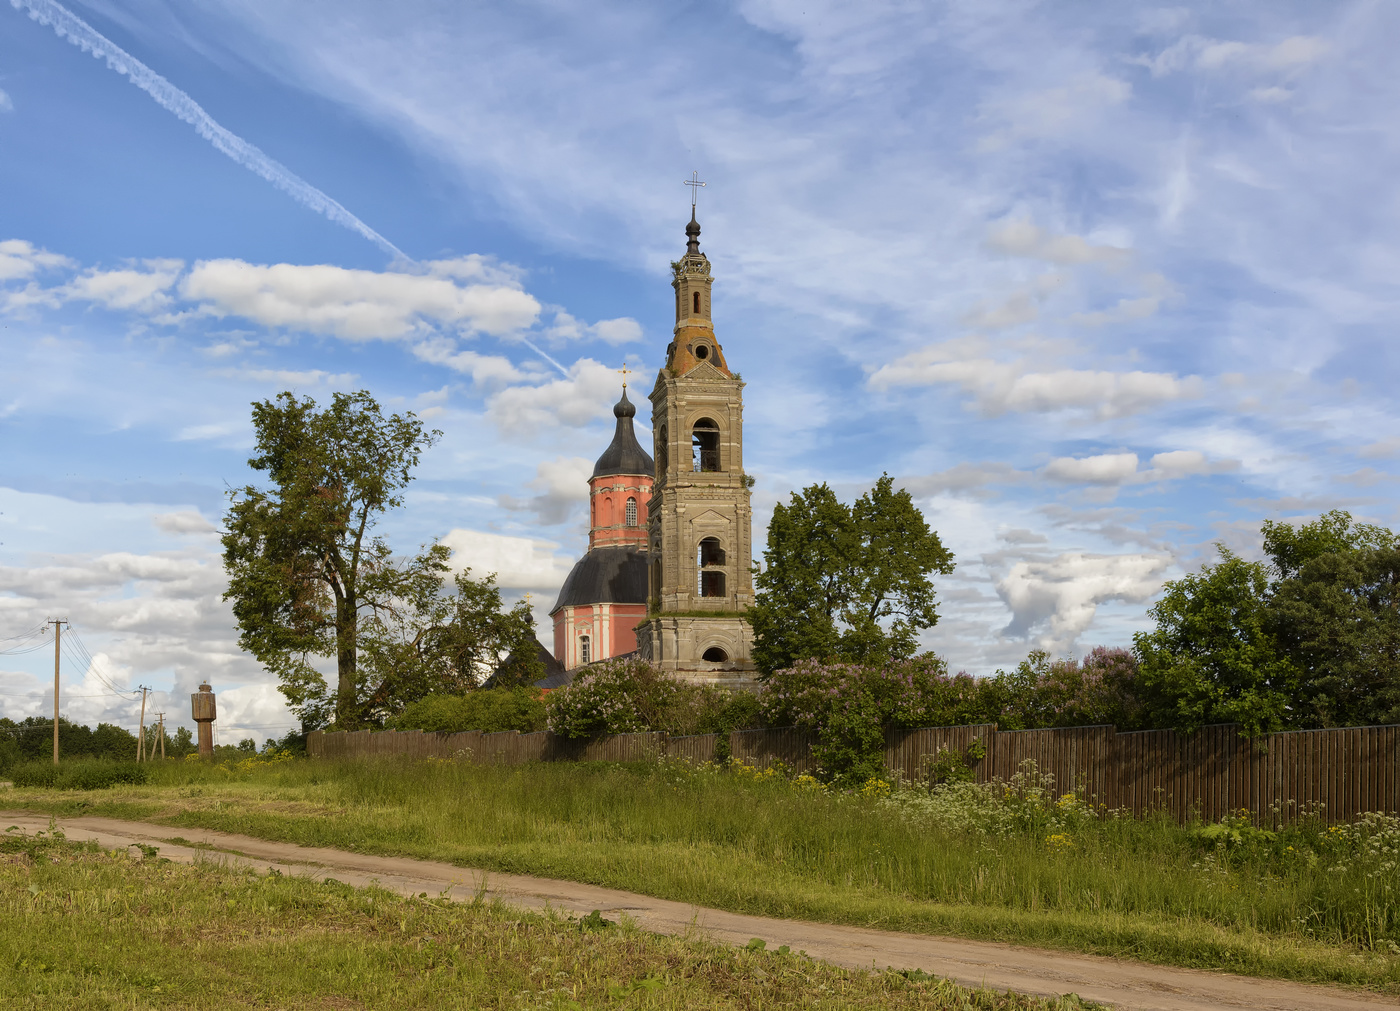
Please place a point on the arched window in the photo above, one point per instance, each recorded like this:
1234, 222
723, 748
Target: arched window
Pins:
585, 649
631, 511
709, 553
695, 300
609, 517
715, 655
661, 449
704, 446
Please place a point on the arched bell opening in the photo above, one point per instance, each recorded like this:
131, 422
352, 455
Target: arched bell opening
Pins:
704, 447
715, 655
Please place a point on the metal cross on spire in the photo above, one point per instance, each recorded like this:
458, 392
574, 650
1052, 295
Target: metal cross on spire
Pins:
624, 372
694, 183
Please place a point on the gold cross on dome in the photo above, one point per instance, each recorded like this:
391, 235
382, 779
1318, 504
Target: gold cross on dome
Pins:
694, 183
624, 372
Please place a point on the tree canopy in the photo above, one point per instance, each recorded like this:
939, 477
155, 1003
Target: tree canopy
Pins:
849, 583
311, 579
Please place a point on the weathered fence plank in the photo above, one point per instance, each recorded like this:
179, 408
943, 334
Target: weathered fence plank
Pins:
1336, 774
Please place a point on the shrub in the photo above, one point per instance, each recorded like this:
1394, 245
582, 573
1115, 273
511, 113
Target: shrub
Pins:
631, 696
490, 710
94, 774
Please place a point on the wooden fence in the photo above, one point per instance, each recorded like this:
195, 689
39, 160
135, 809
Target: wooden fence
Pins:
1337, 774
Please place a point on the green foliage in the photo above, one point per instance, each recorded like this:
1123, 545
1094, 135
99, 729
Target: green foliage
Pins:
303, 560
82, 774
1214, 657
847, 583
1016, 862
490, 710
31, 739
1041, 692
631, 696
1336, 611
1311, 639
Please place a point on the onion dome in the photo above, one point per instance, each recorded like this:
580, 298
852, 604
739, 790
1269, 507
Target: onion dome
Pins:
615, 574
624, 455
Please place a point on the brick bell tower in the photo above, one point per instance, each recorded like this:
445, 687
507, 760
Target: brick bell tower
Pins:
699, 524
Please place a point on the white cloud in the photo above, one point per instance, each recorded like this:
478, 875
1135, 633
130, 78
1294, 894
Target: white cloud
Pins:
581, 397
185, 522
562, 483
6, 103
565, 327
359, 304
1021, 237
21, 259
291, 377
483, 369
1384, 449
130, 289
963, 477
1122, 468
524, 563
1107, 468
1126, 310
999, 387
1063, 593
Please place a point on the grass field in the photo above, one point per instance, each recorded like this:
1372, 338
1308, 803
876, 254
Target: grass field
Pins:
1308, 904
84, 929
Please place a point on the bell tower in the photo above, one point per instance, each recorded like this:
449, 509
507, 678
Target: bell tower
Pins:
699, 523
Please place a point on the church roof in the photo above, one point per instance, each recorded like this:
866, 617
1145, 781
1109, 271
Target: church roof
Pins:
612, 574
624, 455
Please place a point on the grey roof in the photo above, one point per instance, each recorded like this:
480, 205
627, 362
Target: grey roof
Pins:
613, 574
624, 455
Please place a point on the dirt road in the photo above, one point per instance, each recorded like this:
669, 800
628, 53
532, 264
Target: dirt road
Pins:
975, 963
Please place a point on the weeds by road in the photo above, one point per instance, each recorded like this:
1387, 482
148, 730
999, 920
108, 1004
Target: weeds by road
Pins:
1025, 866
84, 928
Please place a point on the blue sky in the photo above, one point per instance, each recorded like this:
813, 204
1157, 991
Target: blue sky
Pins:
1101, 286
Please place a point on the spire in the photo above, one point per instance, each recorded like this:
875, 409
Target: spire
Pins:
692, 235
624, 454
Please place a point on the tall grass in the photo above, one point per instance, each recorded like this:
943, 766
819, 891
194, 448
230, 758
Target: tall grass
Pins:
80, 928
1019, 865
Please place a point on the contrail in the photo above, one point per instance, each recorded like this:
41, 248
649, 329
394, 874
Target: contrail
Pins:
69, 26
531, 345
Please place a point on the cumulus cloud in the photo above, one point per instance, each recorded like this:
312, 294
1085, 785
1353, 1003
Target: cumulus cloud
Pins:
291, 377
998, 387
585, 394
360, 304
140, 290
562, 484
6, 103
483, 369
187, 521
1062, 595
20, 259
1122, 468
565, 327
522, 563
1107, 468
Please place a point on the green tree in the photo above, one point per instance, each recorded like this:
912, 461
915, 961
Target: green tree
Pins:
1214, 657
846, 583
1336, 610
303, 560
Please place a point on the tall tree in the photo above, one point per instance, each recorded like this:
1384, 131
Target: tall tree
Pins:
1214, 657
1336, 610
845, 582
303, 559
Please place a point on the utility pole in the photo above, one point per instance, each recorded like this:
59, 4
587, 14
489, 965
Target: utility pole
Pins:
56, 622
160, 736
141, 735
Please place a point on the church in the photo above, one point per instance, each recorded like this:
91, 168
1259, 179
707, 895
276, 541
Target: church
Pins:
667, 573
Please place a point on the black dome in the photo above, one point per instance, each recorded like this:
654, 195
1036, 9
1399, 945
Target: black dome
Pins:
615, 574
624, 455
